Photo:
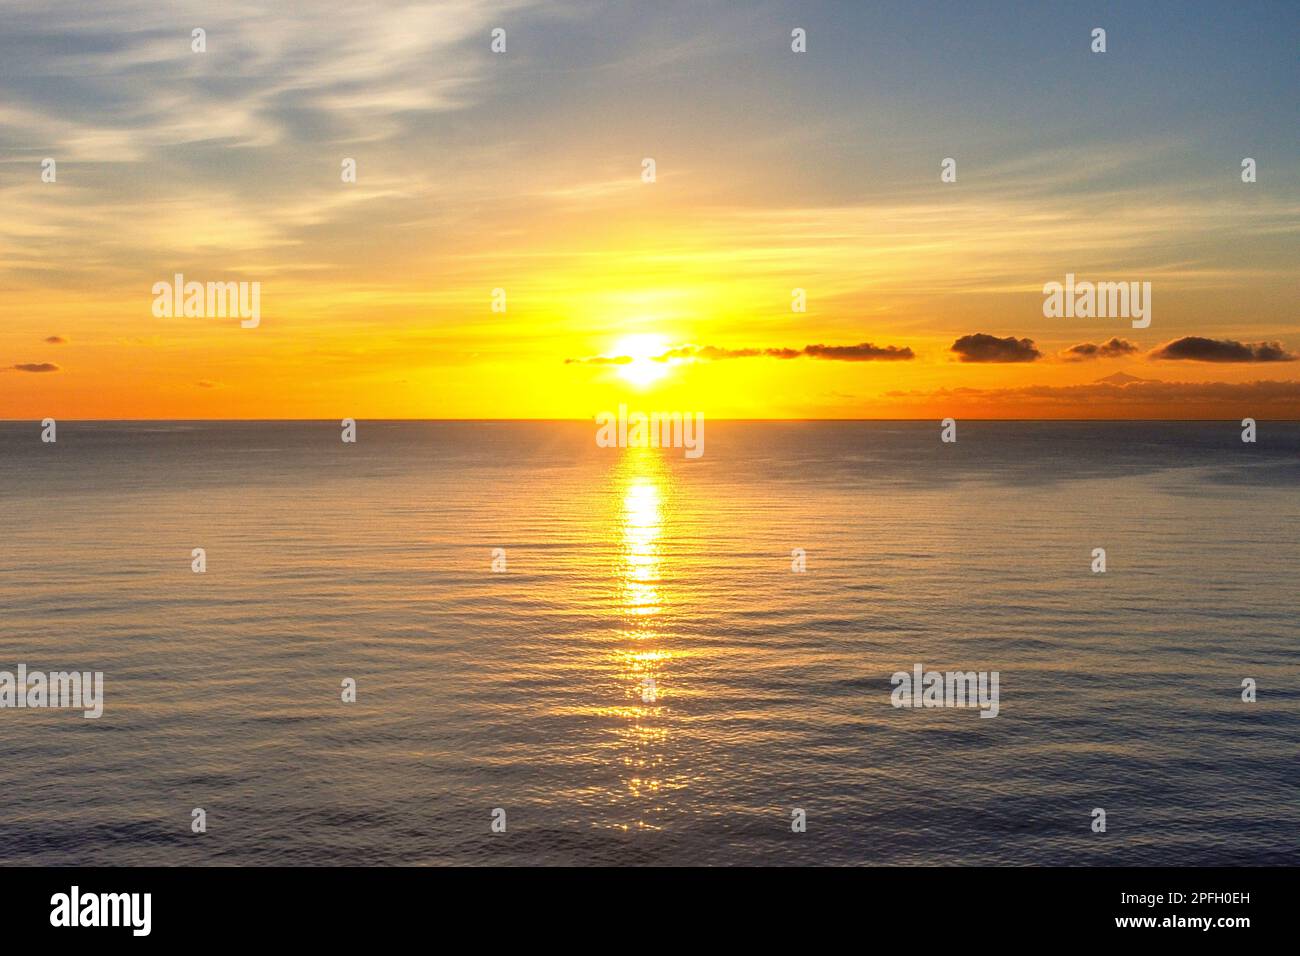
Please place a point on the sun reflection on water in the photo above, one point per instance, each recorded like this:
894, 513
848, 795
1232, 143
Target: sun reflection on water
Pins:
641, 527
643, 482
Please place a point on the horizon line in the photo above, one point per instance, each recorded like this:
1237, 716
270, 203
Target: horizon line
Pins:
8, 421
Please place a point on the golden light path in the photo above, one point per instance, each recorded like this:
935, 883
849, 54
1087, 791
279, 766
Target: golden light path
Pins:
642, 479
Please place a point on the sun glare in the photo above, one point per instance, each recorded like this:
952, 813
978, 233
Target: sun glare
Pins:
642, 350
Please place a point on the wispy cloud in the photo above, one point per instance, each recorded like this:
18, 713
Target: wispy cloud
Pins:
862, 352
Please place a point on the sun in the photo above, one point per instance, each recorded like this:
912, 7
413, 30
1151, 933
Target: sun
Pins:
643, 350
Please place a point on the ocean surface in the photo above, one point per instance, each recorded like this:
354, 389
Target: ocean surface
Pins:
526, 689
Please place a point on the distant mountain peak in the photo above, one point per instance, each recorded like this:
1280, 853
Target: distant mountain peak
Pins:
1122, 378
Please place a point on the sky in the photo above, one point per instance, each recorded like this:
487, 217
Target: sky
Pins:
523, 171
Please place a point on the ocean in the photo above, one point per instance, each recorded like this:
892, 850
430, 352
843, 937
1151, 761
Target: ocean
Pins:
645, 678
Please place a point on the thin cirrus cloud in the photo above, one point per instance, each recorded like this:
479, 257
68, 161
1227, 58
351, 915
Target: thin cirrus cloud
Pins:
116, 86
981, 347
336, 68
1087, 351
862, 352
1195, 348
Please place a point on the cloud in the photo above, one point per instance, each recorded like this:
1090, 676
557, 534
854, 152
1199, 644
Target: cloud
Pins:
34, 367
1194, 348
1085, 351
988, 348
1123, 398
866, 352
707, 353
862, 352
206, 384
129, 86
160, 136
600, 360
56, 340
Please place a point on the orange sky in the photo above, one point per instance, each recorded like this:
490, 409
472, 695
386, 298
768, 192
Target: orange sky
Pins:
523, 172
